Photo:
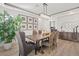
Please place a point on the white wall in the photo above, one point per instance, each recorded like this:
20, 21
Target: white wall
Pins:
42, 23
1, 8
67, 20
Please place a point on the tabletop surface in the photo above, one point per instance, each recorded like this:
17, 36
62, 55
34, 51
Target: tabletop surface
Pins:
37, 37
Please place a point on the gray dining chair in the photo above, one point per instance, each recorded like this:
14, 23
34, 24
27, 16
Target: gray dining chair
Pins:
24, 48
52, 41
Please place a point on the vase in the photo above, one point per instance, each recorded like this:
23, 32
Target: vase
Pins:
7, 46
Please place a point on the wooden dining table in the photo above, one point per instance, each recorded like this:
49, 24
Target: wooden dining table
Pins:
37, 38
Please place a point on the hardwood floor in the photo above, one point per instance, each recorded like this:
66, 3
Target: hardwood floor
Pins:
14, 51
67, 48
64, 48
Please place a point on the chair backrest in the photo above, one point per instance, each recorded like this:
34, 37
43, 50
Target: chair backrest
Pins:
34, 32
39, 31
51, 38
21, 41
56, 36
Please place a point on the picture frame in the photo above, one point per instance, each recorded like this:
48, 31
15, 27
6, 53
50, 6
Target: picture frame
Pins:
24, 19
35, 21
30, 19
23, 27
35, 27
30, 26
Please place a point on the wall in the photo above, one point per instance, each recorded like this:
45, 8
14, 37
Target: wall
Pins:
1, 8
42, 23
68, 20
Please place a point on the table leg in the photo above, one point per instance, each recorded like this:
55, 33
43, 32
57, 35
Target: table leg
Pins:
35, 51
37, 47
41, 48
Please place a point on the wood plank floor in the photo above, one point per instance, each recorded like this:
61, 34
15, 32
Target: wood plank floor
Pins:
14, 51
67, 48
64, 48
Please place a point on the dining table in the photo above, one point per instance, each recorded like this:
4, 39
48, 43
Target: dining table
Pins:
38, 38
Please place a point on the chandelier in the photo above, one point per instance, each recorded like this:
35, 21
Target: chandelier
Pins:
44, 13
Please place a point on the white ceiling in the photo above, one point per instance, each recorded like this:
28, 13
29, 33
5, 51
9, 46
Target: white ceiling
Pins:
52, 7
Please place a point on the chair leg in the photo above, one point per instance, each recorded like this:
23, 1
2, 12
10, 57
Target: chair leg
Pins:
49, 50
19, 54
35, 51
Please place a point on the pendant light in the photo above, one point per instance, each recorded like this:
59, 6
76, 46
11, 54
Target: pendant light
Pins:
44, 13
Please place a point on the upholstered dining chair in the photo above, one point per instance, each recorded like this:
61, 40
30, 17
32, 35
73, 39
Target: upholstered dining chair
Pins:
39, 31
38, 43
52, 43
24, 48
34, 32
55, 38
51, 40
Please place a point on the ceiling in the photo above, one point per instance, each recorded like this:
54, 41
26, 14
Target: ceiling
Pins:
51, 9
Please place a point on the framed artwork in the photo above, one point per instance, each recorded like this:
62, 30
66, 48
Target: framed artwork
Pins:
30, 20
35, 21
23, 26
29, 23
24, 19
30, 26
35, 27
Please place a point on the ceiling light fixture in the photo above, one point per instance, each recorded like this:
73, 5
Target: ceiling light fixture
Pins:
44, 13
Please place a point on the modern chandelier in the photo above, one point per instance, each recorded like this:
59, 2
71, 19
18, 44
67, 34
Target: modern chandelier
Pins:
44, 13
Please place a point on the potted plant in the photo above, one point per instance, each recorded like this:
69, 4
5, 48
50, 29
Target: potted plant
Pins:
10, 26
1, 29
